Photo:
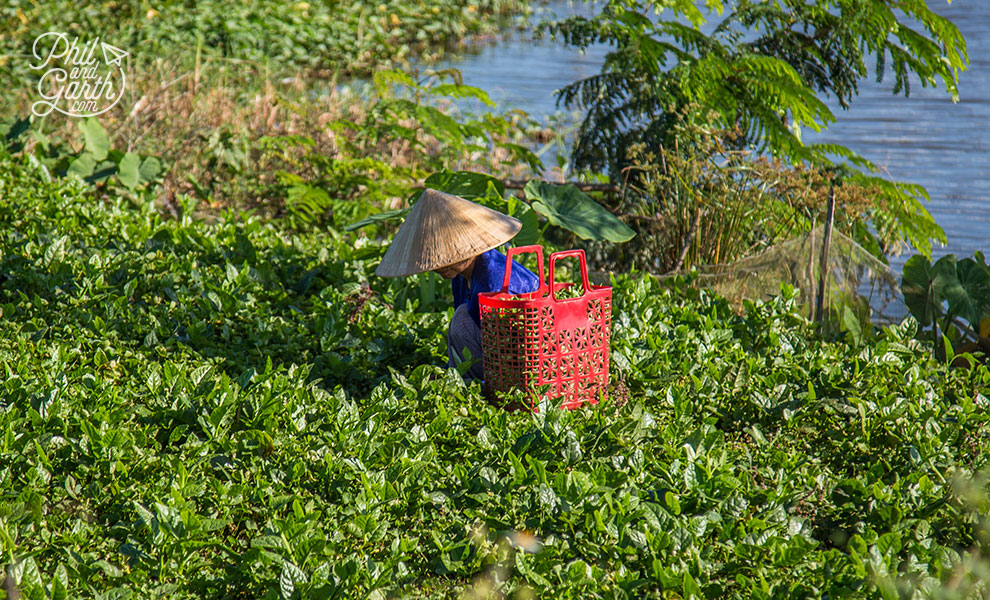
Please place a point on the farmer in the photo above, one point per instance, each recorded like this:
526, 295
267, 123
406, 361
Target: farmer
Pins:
457, 238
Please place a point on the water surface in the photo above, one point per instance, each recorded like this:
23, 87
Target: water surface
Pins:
924, 139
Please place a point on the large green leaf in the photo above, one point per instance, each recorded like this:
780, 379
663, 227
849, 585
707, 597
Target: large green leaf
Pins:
97, 140
924, 286
151, 167
970, 298
568, 207
530, 232
129, 173
82, 165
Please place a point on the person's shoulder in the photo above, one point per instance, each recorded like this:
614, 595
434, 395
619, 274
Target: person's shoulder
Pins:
494, 254
492, 261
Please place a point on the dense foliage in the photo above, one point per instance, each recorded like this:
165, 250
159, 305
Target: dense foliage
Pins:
238, 408
264, 105
759, 72
718, 204
230, 410
953, 297
323, 37
761, 67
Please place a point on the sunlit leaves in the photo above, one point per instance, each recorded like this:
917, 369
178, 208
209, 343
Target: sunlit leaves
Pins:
568, 207
289, 432
762, 70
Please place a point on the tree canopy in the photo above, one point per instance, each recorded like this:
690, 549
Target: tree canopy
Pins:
765, 67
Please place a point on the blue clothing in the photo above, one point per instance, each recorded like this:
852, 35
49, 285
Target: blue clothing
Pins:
487, 276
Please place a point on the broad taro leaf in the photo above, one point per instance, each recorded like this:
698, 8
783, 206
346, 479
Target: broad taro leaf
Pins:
97, 140
924, 286
129, 172
971, 298
150, 168
568, 207
530, 232
82, 165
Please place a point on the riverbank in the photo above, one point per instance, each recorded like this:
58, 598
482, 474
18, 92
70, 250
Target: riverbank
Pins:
223, 97
924, 139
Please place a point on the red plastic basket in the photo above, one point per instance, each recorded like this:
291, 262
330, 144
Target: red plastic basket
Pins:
532, 340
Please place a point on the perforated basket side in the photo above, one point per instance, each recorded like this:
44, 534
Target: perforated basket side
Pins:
575, 360
509, 346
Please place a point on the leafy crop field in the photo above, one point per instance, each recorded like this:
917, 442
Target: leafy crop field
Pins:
228, 410
320, 38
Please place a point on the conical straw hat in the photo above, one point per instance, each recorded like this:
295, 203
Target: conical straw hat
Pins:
442, 229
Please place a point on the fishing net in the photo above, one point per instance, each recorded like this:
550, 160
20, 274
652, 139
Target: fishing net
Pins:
854, 276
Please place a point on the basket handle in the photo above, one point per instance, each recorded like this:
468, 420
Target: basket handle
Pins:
579, 254
511, 252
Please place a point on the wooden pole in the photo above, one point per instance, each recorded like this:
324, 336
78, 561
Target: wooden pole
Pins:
823, 265
810, 282
690, 238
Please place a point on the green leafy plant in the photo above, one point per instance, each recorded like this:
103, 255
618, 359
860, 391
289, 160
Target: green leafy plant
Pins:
718, 204
355, 178
951, 296
564, 205
761, 69
561, 205
763, 72
95, 163
228, 408
250, 40
409, 110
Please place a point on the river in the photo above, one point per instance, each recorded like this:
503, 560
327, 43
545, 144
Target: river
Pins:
925, 138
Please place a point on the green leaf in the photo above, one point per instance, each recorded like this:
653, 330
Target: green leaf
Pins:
461, 91
971, 298
671, 503
382, 217
530, 232
950, 353
578, 571
151, 167
97, 140
129, 170
476, 187
568, 207
305, 203
60, 583
383, 78
291, 576
691, 588
887, 588
82, 166
924, 284
850, 321
286, 585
